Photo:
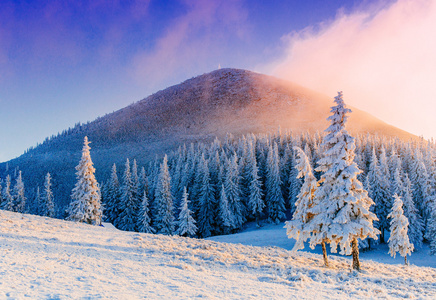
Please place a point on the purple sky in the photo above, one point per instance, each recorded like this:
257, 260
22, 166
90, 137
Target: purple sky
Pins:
64, 61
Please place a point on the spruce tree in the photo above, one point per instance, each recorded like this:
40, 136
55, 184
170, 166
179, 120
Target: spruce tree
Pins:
275, 203
19, 198
164, 215
297, 228
205, 199
47, 208
399, 240
8, 199
225, 215
113, 198
255, 201
144, 220
127, 217
342, 214
85, 205
233, 192
186, 223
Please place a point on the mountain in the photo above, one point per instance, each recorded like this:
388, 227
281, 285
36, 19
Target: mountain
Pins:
199, 109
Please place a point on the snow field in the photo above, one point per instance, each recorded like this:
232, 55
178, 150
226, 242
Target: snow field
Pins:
43, 258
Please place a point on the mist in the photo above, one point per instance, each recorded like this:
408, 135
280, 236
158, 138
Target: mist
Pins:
382, 57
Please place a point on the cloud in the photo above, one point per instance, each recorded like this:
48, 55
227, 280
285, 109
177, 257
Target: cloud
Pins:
190, 40
382, 57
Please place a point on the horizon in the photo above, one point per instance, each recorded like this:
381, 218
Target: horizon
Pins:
64, 63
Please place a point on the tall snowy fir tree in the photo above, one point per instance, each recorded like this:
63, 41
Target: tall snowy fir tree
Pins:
225, 216
342, 211
8, 200
233, 192
205, 199
38, 202
113, 198
19, 197
85, 205
399, 240
164, 210
380, 192
144, 220
47, 207
127, 217
275, 203
255, 201
185, 223
297, 228
416, 225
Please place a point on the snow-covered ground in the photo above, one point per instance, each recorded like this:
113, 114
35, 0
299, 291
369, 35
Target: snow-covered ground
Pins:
42, 258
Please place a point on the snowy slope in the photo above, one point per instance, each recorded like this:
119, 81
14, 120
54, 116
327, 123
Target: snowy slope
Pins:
46, 258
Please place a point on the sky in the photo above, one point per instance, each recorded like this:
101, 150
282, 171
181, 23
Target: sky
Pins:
63, 62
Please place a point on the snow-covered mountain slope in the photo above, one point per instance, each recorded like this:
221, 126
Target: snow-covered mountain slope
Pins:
44, 258
199, 109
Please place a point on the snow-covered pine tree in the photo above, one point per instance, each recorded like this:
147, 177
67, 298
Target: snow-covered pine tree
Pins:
431, 229
38, 202
85, 205
206, 206
113, 198
47, 208
186, 223
225, 215
275, 204
233, 192
19, 198
342, 214
8, 199
127, 218
1, 194
399, 240
297, 227
163, 200
416, 225
380, 189
144, 220
255, 201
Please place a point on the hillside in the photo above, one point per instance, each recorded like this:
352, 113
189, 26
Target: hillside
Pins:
199, 109
46, 258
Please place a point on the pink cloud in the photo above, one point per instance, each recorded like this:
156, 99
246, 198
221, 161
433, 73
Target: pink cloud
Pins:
190, 40
383, 59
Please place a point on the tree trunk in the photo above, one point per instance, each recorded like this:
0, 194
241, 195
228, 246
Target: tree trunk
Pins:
355, 253
405, 260
324, 254
382, 235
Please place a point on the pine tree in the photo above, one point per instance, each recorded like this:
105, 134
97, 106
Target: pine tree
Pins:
8, 200
144, 220
255, 201
186, 223
275, 203
205, 199
416, 225
380, 189
342, 214
164, 216
113, 198
297, 227
399, 240
233, 192
47, 207
225, 215
19, 198
85, 205
431, 229
38, 202
127, 218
